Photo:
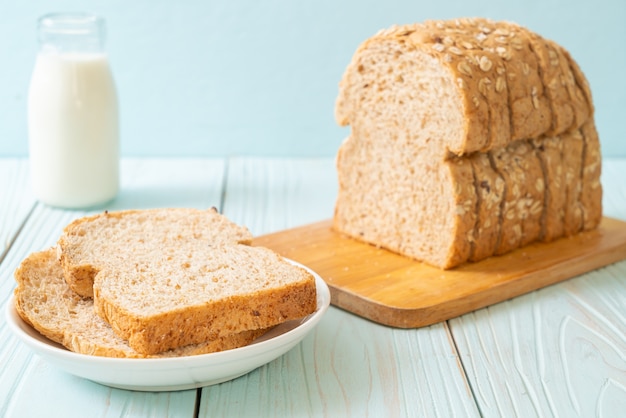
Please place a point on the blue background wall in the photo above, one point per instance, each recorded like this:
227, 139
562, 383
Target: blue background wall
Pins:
245, 77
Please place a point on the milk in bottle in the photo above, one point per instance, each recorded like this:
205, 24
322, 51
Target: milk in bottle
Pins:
73, 114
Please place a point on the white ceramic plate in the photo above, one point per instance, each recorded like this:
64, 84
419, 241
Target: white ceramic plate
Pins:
179, 373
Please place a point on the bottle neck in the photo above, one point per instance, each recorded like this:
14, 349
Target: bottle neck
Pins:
71, 32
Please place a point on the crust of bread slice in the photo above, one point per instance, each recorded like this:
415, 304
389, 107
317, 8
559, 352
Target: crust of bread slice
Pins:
591, 193
582, 109
572, 167
89, 243
581, 81
550, 152
523, 202
45, 301
528, 107
194, 293
563, 117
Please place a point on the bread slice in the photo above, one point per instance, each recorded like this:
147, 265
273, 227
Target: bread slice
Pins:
572, 168
581, 82
478, 70
490, 192
421, 99
45, 301
89, 243
190, 293
591, 188
581, 107
523, 205
563, 117
550, 152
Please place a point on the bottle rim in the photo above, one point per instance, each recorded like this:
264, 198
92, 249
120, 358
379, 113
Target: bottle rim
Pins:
71, 23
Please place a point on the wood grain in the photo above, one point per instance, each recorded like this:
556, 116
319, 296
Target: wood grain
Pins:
559, 351
16, 200
394, 290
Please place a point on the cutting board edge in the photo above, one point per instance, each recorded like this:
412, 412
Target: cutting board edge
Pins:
425, 315
420, 316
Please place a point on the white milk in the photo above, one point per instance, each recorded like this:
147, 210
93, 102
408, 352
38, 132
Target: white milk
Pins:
73, 129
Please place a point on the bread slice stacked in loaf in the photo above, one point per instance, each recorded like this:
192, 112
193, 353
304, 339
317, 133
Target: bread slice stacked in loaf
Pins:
164, 282
469, 138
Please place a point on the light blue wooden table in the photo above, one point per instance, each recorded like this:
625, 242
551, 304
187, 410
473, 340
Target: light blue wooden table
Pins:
559, 351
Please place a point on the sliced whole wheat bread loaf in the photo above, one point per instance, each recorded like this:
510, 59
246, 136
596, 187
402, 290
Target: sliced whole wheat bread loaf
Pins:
421, 99
89, 243
45, 301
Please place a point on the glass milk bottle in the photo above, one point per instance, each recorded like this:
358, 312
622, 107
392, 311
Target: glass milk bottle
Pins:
73, 114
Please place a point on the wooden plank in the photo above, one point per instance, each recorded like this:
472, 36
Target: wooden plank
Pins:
16, 199
396, 291
559, 351
166, 182
270, 195
31, 387
348, 366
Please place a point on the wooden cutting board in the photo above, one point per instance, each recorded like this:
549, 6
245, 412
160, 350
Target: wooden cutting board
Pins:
397, 291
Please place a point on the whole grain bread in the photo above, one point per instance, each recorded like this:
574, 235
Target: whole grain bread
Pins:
192, 293
421, 99
45, 301
89, 243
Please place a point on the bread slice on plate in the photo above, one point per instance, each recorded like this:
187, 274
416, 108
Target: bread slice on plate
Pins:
45, 301
191, 293
88, 243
